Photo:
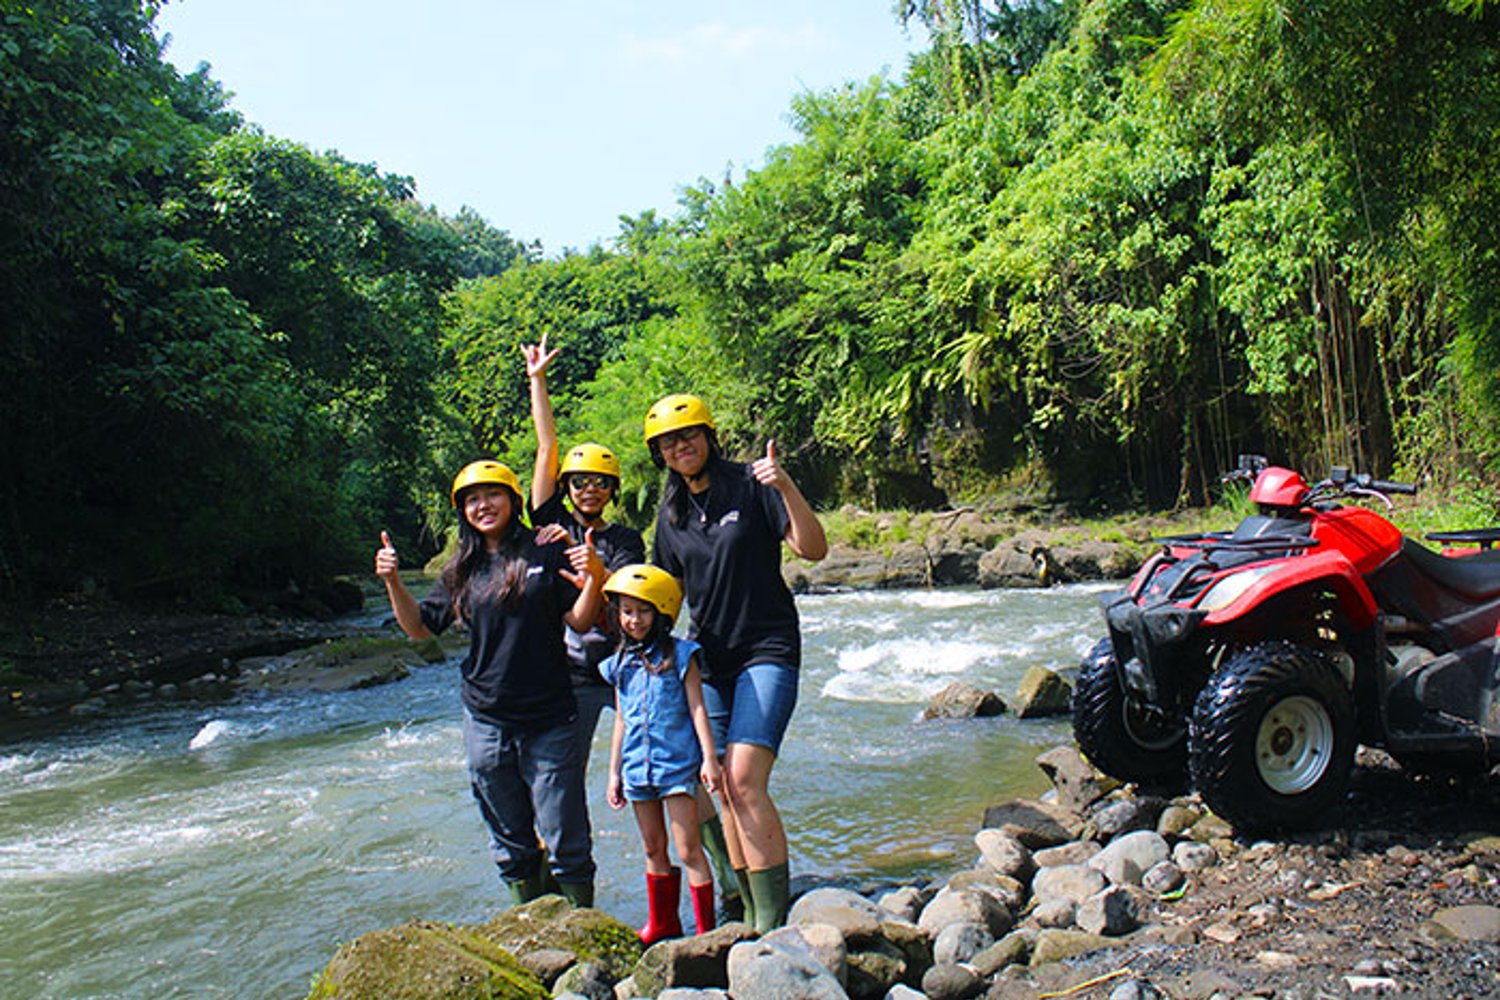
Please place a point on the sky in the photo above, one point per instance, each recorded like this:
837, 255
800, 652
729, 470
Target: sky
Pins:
550, 120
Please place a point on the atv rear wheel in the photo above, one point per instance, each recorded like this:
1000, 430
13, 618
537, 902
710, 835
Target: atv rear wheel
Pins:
1117, 734
1273, 737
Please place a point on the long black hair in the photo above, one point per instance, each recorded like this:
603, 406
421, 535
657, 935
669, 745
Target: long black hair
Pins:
462, 578
675, 492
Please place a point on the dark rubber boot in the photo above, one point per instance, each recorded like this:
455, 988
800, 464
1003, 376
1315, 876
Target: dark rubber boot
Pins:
703, 906
747, 899
711, 832
770, 893
524, 890
580, 894
662, 895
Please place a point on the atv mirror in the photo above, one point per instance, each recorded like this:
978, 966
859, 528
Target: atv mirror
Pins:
1253, 463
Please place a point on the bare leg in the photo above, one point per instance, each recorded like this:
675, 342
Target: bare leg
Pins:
683, 813
757, 823
653, 829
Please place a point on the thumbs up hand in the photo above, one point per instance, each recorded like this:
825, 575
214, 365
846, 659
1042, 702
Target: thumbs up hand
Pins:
767, 470
585, 562
386, 563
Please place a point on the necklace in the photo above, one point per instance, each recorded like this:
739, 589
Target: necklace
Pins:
701, 506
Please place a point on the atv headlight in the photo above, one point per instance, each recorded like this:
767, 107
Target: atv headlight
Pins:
1232, 587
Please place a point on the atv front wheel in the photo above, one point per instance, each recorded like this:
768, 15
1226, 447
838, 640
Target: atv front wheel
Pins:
1272, 739
1118, 735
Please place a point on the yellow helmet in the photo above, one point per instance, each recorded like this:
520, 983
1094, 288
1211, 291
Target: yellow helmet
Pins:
651, 584
674, 412
591, 457
484, 471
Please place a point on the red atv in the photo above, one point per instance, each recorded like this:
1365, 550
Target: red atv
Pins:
1253, 662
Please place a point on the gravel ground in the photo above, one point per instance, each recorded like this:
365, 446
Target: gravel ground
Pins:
1343, 912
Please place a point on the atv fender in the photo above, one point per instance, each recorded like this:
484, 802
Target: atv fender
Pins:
1323, 570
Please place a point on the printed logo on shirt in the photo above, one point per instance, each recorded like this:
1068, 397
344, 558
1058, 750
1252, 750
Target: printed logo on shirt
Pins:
533, 570
729, 518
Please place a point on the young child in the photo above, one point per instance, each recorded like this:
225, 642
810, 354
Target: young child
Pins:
662, 745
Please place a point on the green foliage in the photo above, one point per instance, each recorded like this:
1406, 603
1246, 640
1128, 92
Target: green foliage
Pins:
1080, 252
215, 367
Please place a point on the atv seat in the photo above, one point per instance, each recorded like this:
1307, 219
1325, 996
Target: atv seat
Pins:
1476, 576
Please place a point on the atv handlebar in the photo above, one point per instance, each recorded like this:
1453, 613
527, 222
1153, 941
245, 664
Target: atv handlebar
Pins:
1343, 482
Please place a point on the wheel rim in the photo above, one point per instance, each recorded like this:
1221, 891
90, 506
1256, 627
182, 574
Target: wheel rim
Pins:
1147, 732
1294, 744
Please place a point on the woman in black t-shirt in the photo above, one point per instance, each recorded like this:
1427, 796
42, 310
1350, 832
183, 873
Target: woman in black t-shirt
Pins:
514, 596
719, 528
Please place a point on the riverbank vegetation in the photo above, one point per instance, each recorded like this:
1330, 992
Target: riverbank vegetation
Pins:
1080, 252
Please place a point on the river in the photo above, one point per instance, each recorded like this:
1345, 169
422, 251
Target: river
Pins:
227, 849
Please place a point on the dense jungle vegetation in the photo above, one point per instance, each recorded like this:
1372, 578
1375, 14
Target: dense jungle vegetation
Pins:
1091, 249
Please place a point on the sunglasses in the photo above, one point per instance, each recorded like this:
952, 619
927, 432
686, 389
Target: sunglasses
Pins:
587, 480
672, 439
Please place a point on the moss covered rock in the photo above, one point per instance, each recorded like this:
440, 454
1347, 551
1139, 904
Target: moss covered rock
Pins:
551, 922
422, 960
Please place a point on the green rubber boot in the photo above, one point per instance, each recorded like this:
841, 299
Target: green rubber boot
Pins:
711, 832
747, 898
770, 894
580, 894
524, 890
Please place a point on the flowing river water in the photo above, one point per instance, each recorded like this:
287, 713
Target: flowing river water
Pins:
227, 849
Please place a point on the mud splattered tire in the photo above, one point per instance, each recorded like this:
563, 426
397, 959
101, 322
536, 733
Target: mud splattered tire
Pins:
1116, 736
1272, 738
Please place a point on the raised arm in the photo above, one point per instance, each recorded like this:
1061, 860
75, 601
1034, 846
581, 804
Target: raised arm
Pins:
403, 604
804, 532
544, 471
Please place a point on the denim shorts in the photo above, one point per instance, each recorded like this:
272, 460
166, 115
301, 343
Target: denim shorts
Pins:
684, 784
752, 707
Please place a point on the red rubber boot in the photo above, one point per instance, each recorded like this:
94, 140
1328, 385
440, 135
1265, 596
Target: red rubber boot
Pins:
703, 906
662, 894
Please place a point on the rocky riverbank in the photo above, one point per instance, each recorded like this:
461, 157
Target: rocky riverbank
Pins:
1092, 891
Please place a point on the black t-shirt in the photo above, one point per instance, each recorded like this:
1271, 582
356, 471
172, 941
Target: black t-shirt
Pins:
618, 545
516, 673
728, 554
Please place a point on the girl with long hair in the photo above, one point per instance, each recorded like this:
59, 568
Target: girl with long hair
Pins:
514, 596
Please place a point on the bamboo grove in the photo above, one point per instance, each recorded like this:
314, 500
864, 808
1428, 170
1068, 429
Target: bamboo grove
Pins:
1091, 249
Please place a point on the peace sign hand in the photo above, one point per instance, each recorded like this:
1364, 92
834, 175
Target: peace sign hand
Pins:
538, 358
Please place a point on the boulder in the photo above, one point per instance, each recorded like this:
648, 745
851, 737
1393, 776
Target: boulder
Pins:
1128, 857
960, 942
951, 982
952, 906
1112, 912
1074, 883
821, 942
1005, 854
963, 701
1042, 693
1035, 824
423, 960
1005, 565
702, 960
1058, 945
760, 971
